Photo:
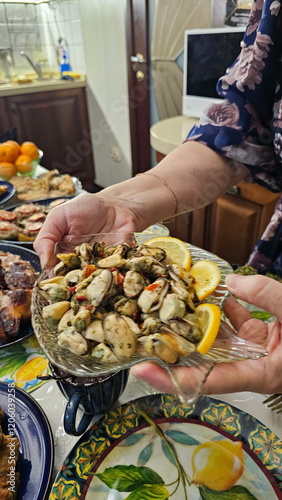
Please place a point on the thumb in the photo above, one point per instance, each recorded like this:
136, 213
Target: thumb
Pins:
261, 291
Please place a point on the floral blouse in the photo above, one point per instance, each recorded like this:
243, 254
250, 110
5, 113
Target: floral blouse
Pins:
247, 125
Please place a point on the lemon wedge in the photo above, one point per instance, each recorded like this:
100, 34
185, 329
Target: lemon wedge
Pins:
176, 249
207, 275
209, 319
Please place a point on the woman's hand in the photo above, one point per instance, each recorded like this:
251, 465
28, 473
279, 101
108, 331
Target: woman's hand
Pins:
263, 375
85, 214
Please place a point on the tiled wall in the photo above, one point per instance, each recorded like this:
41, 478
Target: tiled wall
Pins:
36, 29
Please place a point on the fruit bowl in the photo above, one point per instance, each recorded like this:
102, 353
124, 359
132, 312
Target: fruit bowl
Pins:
31, 167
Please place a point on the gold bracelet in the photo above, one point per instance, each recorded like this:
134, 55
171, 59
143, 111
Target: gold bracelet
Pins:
171, 219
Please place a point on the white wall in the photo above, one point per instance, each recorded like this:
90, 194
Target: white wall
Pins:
104, 35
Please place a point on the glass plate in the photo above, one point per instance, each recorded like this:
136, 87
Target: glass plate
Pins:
227, 346
32, 257
123, 438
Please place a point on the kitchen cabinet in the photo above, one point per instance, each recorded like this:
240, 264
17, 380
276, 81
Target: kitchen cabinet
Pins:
231, 226
5, 123
57, 121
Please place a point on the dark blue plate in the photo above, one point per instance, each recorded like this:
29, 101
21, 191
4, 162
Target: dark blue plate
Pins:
9, 193
33, 258
46, 202
30, 425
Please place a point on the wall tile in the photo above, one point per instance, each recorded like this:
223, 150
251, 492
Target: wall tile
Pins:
77, 32
74, 10
4, 36
2, 14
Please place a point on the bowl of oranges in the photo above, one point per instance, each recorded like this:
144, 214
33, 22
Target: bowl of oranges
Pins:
18, 159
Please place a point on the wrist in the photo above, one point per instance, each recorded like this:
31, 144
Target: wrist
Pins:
147, 196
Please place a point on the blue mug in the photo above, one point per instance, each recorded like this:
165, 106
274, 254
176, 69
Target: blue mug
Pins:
94, 395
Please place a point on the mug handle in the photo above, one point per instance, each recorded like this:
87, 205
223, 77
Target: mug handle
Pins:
70, 416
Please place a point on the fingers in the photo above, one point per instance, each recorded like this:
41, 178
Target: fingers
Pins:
224, 378
52, 231
258, 290
236, 313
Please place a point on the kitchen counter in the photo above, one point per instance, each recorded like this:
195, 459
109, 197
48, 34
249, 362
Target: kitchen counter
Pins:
10, 89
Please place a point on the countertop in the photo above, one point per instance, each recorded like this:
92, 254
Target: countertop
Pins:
9, 89
167, 134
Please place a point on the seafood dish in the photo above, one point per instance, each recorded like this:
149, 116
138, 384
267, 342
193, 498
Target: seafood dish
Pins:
17, 278
52, 184
9, 454
24, 222
117, 302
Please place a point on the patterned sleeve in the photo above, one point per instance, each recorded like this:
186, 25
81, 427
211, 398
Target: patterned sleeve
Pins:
247, 125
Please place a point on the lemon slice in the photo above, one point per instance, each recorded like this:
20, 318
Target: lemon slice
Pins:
207, 275
209, 318
176, 249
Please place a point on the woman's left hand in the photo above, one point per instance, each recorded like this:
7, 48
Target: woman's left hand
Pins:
263, 375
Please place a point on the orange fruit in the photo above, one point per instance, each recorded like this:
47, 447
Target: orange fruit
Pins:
23, 164
14, 143
8, 152
30, 149
7, 170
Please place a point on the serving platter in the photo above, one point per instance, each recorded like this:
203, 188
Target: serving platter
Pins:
36, 453
227, 346
32, 257
161, 434
8, 194
45, 202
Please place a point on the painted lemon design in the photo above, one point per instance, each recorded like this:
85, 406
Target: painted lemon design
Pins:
30, 369
218, 464
176, 249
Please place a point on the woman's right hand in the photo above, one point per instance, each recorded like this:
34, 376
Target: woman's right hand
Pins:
84, 214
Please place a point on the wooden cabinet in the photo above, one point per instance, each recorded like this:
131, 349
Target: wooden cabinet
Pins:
57, 121
231, 226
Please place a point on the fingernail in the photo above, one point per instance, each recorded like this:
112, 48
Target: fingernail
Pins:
232, 281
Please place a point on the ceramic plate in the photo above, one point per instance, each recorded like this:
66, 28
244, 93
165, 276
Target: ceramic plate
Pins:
227, 346
32, 257
8, 194
46, 202
122, 441
33, 430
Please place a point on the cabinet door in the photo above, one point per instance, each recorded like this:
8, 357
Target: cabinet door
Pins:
232, 227
57, 121
5, 123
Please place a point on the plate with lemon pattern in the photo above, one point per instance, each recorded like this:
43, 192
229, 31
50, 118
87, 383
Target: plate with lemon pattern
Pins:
158, 448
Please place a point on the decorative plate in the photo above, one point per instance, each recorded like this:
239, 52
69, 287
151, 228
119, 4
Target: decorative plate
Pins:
153, 454
227, 347
25, 418
33, 258
8, 194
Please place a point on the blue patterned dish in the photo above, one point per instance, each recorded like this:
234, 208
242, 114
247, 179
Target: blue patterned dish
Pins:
122, 441
36, 454
8, 194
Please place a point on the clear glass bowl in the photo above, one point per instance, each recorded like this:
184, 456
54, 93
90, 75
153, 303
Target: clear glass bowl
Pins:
227, 346
34, 165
